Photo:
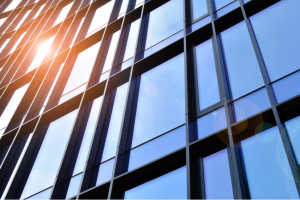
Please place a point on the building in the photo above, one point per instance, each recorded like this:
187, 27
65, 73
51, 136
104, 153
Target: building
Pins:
168, 99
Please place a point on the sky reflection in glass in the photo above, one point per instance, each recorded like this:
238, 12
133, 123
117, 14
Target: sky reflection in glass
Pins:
199, 8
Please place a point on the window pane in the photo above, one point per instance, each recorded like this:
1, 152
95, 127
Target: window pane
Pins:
131, 40
164, 22
101, 16
103, 172
39, 11
41, 53
199, 8
217, 176
73, 188
82, 68
78, 29
88, 136
47, 162
4, 44
22, 20
161, 101
18, 42
124, 6
115, 122
293, 130
242, 66
2, 21
278, 37
221, 3
207, 75
43, 195
211, 123
11, 107
266, 166
169, 186
157, 148
12, 5
63, 14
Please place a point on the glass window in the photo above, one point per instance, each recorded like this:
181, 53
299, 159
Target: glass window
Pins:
42, 195
242, 66
169, 186
102, 173
114, 127
293, 129
4, 44
157, 148
278, 38
101, 16
81, 71
2, 21
12, 5
199, 8
221, 3
123, 8
41, 53
47, 162
63, 14
266, 167
217, 176
11, 107
23, 19
211, 123
164, 22
39, 11
77, 32
207, 75
73, 186
17, 42
161, 101
227, 9
251, 104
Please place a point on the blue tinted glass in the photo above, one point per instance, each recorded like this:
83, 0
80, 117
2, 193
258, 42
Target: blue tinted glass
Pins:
164, 21
278, 37
266, 166
199, 8
221, 3
251, 104
198, 24
115, 122
293, 130
104, 171
88, 136
74, 184
242, 66
131, 40
207, 75
217, 176
245, 1
211, 123
292, 83
228, 8
160, 106
46, 165
157, 148
169, 186
43, 195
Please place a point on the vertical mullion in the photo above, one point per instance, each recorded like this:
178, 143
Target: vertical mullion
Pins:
235, 165
283, 133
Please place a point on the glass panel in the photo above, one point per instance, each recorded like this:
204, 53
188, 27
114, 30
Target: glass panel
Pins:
138, 3
18, 42
12, 5
292, 83
228, 8
73, 188
103, 172
169, 186
2, 21
161, 101
164, 21
198, 24
251, 104
242, 66
123, 8
199, 8
82, 68
221, 3
11, 107
4, 44
267, 168
115, 122
278, 37
23, 19
293, 129
88, 136
63, 14
39, 11
157, 148
47, 162
112, 45
217, 176
207, 75
41, 53
211, 123
78, 29
43, 195
101, 16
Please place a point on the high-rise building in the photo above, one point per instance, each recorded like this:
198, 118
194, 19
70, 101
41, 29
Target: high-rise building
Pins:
156, 99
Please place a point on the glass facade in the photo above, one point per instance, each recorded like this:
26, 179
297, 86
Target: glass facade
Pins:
134, 99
